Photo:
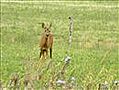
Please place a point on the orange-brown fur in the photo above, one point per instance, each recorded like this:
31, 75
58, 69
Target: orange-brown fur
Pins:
46, 41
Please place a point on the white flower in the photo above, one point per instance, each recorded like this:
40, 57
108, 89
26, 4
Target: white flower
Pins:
73, 79
106, 83
60, 82
67, 59
116, 82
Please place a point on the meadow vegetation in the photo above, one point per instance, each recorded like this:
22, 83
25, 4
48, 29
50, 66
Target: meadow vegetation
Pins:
94, 50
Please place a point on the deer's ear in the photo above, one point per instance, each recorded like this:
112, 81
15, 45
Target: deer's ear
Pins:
50, 25
43, 24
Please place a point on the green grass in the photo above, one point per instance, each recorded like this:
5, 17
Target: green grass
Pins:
95, 33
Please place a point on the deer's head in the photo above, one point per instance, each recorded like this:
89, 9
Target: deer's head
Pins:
46, 28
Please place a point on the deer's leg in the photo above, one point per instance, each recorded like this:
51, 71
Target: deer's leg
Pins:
41, 52
50, 52
46, 53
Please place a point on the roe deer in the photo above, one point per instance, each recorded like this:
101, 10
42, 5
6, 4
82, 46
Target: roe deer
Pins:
46, 41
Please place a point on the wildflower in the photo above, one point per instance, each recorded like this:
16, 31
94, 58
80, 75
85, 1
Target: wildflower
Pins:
73, 81
67, 59
116, 82
60, 82
106, 83
73, 78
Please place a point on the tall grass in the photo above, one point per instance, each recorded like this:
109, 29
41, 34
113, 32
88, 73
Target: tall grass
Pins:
94, 51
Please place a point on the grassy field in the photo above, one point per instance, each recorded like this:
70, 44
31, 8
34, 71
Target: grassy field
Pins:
94, 50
